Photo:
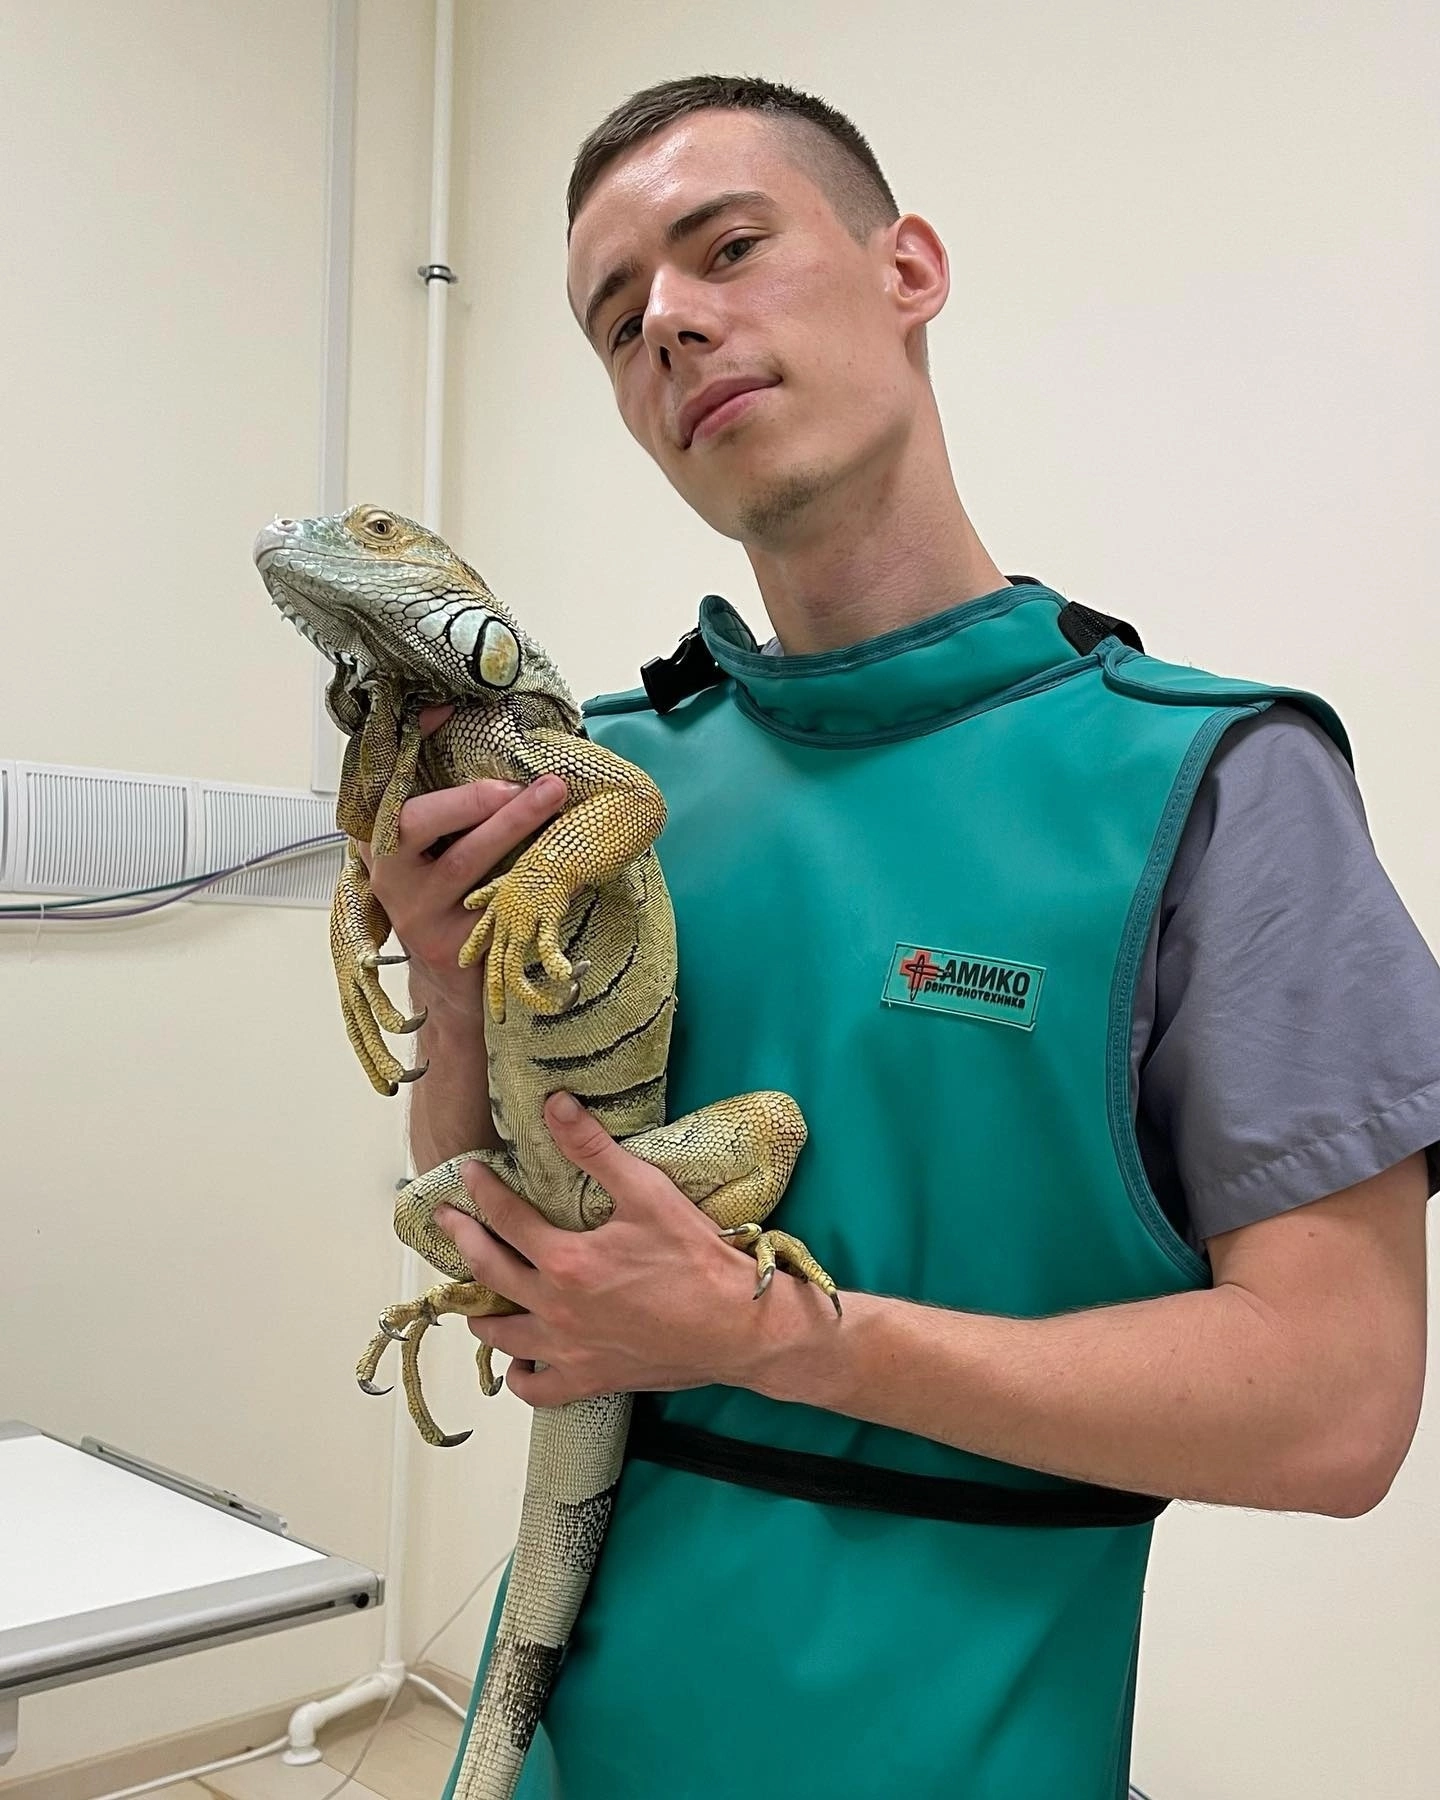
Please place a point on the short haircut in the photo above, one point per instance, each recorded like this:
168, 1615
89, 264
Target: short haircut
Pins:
819, 140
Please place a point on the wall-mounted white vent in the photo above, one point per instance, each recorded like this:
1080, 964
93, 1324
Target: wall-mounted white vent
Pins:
103, 831
240, 822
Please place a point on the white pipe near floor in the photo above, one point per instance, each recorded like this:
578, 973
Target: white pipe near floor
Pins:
386, 1681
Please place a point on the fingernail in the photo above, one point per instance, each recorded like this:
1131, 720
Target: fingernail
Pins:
442, 1217
546, 787
515, 787
564, 1107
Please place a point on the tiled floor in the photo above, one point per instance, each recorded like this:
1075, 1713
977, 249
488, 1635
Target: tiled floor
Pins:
409, 1760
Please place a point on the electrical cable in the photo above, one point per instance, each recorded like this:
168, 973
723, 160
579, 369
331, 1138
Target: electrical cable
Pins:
92, 907
229, 1762
438, 1695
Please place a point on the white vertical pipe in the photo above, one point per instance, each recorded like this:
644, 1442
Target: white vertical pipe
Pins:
414, 1275
437, 286
392, 1673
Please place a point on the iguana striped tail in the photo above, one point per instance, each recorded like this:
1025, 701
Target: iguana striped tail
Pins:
576, 1453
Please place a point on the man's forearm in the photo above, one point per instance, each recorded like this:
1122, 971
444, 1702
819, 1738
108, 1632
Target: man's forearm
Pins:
449, 1105
1197, 1396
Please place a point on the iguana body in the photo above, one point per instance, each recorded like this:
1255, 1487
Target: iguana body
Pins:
408, 624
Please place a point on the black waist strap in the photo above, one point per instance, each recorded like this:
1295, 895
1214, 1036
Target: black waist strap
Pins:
831, 1481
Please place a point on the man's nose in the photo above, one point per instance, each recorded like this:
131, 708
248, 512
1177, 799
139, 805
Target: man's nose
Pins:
677, 311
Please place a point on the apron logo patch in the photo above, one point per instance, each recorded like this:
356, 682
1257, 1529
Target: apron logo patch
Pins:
976, 987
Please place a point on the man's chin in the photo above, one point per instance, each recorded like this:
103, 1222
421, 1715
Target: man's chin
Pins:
769, 511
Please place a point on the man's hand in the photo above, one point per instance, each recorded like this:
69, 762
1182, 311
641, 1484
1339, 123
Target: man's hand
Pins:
423, 891
652, 1299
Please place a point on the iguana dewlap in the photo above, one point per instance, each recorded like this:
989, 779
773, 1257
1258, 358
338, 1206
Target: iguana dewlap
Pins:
579, 940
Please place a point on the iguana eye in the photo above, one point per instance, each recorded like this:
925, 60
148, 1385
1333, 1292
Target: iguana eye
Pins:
380, 524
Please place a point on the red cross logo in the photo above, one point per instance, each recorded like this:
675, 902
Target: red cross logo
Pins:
918, 969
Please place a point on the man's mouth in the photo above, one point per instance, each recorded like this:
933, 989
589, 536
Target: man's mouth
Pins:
714, 406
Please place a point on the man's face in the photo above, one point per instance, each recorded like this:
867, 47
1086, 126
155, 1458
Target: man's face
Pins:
770, 289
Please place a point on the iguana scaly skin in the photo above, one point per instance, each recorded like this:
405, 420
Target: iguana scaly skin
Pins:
578, 938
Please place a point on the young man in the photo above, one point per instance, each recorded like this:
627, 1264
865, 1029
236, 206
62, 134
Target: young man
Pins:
1120, 1057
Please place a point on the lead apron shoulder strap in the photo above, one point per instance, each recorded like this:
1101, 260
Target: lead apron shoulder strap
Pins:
833, 1481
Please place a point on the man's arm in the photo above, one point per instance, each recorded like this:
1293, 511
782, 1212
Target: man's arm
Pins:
1293, 1383
450, 1104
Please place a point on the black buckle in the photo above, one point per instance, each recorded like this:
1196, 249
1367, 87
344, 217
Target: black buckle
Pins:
1084, 628
689, 669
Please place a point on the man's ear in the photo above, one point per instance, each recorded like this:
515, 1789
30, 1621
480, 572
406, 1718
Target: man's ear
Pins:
920, 269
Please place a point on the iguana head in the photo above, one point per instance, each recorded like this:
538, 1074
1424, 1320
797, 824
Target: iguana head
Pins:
394, 608
406, 624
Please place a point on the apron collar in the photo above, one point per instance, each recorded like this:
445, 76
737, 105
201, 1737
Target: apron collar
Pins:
903, 682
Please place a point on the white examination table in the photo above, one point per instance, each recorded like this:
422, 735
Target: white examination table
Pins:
107, 1562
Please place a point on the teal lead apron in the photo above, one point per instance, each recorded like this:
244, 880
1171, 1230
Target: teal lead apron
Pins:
913, 880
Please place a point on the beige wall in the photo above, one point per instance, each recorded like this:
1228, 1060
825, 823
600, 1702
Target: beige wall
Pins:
1184, 371
194, 1236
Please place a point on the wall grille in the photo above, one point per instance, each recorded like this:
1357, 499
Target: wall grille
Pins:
67, 831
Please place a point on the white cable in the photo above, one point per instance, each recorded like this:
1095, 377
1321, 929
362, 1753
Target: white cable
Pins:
435, 1693
229, 1762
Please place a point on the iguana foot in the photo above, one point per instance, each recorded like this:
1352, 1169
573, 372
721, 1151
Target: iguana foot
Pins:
521, 908
772, 1247
407, 1322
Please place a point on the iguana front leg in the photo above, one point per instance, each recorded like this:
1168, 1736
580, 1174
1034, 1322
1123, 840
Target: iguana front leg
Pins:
615, 812
380, 775
359, 925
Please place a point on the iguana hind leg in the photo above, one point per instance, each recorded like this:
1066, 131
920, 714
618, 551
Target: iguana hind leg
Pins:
734, 1159
407, 1321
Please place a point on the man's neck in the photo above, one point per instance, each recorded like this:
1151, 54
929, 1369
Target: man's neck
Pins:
858, 566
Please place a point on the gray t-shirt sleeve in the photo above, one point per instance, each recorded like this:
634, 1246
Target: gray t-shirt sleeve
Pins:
1286, 1038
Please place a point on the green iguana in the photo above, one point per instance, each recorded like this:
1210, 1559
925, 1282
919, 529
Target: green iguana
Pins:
578, 938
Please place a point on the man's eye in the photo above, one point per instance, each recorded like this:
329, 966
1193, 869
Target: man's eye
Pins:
620, 340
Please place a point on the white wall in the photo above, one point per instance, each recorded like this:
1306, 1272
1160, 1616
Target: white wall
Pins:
1187, 372
194, 1236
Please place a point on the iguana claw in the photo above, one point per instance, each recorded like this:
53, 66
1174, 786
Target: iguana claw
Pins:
406, 1323
415, 1073
772, 1247
372, 959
